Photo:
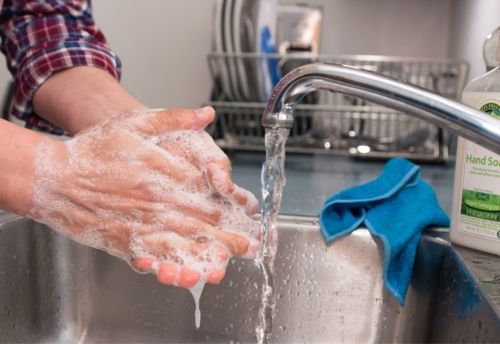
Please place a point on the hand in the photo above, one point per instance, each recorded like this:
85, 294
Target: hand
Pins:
152, 188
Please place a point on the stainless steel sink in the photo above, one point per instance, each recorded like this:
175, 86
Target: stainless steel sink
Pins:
53, 290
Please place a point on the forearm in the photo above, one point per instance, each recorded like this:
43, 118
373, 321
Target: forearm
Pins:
77, 98
17, 157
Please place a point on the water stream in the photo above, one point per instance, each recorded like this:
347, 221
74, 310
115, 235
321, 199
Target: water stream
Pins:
273, 180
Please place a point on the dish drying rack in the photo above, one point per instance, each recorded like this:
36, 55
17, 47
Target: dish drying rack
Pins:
334, 123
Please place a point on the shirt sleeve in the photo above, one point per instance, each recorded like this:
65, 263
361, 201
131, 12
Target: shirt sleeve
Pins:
40, 38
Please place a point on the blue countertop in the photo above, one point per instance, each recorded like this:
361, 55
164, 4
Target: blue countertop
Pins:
313, 178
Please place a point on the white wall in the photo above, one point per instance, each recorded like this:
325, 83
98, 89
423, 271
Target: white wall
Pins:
472, 20
163, 47
385, 27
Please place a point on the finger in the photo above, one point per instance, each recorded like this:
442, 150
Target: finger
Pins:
216, 276
174, 248
187, 227
210, 158
168, 248
246, 199
155, 123
195, 207
219, 177
172, 274
254, 248
222, 254
113, 236
163, 199
175, 167
236, 244
201, 150
235, 220
188, 277
190, 227
167, 273
143, 264
162, 246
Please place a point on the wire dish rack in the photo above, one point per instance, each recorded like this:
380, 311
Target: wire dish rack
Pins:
333, 123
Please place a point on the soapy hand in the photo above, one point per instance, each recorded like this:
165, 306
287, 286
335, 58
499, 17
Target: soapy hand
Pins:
152, 188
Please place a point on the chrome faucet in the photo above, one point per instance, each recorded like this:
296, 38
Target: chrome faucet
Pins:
458, 118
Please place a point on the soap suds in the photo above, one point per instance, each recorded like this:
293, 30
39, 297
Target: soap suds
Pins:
129, 194
196, 291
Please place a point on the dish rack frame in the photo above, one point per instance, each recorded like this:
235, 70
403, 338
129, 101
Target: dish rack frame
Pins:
333, 123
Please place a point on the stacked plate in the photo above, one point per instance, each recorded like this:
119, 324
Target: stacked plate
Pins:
242, 26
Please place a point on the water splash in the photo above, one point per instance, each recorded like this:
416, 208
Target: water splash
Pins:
273, 180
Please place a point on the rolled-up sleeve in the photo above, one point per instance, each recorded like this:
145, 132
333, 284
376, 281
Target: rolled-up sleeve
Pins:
40, 38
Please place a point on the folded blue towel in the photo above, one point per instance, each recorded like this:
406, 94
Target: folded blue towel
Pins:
396, 207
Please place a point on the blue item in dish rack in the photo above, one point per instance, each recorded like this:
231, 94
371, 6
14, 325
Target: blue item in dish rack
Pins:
396, 207
268, 47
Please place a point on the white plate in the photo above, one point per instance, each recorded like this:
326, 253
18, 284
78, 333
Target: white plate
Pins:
239, 38
229, 48
248, 22
219, 48
266, 17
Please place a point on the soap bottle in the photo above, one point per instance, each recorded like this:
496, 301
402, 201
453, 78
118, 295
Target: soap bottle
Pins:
476, 200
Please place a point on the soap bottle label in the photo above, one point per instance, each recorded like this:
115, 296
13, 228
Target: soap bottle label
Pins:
480, 196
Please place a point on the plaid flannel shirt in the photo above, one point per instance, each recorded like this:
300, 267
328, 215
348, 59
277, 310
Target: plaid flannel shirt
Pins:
41, 37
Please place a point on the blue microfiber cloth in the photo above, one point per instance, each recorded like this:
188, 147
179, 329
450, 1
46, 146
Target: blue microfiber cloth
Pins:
396, 207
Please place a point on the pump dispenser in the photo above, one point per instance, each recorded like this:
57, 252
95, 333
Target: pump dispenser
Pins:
476, 201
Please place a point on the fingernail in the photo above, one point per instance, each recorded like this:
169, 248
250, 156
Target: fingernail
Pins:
253, 205
167, 273
222, 255
239, 246
220, 180
144, 264
216, 277
254, 246
188, 278
204, 112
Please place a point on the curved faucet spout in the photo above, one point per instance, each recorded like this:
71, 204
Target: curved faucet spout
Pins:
451, 115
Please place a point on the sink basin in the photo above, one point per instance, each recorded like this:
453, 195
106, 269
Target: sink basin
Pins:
53, 290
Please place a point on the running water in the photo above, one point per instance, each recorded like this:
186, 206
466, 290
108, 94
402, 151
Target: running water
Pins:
273, 180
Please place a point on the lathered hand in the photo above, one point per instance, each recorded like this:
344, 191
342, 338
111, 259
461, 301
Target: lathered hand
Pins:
151, 188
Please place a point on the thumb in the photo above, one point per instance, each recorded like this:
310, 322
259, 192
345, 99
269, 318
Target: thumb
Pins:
157, 122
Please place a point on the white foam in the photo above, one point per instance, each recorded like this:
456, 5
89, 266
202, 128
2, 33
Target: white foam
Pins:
100, 187
196, 291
